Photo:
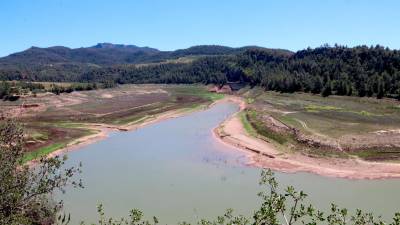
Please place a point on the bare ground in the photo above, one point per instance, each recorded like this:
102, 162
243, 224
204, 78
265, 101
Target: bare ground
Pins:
80, 118
266, 155
102, 129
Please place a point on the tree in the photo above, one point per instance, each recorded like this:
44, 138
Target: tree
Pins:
381, 90
273, 69
349, 89
24, 190
4, 90
109, 84
56, 89
369, 89
317, 85
327, 89
362, 91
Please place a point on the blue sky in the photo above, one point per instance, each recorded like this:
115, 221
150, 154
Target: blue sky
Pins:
173, 24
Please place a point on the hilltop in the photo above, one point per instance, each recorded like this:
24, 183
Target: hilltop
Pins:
338, 70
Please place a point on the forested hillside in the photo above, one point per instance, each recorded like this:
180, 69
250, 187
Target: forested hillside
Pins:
64, 64
361, 71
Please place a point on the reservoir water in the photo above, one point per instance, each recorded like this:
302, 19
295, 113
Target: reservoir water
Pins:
177, 171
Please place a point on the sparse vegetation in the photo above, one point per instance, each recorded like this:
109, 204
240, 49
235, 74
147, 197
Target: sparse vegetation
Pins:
246, 124
42, 151
66, 117
363, 127
25, 192
13, 90
257, 124
378, 154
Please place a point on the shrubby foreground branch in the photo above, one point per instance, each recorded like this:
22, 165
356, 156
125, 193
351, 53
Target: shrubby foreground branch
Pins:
25, 191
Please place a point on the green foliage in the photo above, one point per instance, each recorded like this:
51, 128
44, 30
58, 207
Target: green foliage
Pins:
246, 124
24, 191
58, 89
42, 151
327, 90
4, 90
361, 70
109, 84
339, 70
64, 64
12, 90
257, 124
135, 218
316, 108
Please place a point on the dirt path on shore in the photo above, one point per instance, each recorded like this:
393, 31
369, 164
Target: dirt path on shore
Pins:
264, 154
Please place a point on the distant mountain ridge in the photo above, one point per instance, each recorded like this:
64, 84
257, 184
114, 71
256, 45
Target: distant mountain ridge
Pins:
102, 54
62, 63
107, 54
361, 70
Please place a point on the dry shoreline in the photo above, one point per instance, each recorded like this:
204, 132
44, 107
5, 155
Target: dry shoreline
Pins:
103, 130
259, 152
263, 154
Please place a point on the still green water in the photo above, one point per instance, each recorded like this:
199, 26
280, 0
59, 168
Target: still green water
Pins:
177, 171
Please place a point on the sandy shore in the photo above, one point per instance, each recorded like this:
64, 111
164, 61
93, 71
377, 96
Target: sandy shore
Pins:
263, 154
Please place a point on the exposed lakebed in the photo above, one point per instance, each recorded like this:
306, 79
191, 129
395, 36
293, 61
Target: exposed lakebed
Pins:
176, 170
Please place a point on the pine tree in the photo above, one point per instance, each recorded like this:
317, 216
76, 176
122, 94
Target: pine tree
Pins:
317, 85
398, 94
349, 89
381, 90
327, 90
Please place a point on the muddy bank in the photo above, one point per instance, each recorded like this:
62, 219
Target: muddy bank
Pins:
264, 154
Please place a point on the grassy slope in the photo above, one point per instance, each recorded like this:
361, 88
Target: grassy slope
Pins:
44, 133
43, 151
334, 116
246, 124
331, 117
